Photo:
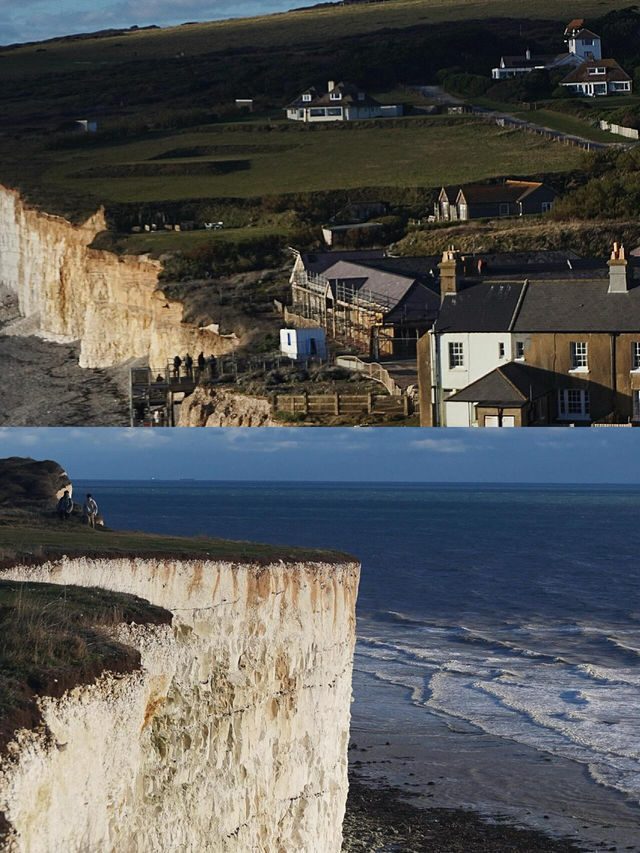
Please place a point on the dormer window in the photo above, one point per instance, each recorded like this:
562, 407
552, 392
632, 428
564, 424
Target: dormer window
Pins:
597, 70
335, 96
306, 97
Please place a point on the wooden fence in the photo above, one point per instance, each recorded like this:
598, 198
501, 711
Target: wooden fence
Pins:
340, 404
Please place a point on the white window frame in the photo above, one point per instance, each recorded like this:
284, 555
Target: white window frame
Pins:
635, 356
456, 355
635, 404
501, 349
519, 351
573, 404
335, 96
306, 98
546, 206
579, 357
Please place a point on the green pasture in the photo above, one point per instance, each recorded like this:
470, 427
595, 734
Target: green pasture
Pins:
411, 152
157, 242
306, 25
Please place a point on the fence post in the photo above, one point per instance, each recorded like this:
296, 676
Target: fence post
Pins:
336, 405
405, 405
369, 403
306, 402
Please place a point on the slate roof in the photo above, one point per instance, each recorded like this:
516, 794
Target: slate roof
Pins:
535, 61
584, 33
578, 306
350, 95
318, 262
613, 74
402, 294
492, 193
547, 305
484, 307
510, 385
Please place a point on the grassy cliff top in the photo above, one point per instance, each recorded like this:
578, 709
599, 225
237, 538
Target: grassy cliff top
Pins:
36, 539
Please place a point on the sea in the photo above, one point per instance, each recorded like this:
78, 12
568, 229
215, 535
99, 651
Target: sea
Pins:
497, 664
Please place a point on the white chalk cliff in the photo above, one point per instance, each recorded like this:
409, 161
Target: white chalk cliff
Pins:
231, 737
111, 303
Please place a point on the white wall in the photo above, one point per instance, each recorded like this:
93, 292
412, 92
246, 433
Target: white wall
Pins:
296, 343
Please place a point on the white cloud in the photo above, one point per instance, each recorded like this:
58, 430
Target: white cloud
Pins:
440, 445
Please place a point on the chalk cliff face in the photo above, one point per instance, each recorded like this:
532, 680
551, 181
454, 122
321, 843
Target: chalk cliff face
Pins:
108, 302
215, 407
232, 737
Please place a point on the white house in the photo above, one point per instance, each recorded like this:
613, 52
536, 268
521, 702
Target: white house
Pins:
582, 45
598, 77
340, 102
303, 343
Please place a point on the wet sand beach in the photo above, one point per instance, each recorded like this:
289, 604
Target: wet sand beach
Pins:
382, 820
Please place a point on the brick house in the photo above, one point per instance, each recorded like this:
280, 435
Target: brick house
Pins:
542, 348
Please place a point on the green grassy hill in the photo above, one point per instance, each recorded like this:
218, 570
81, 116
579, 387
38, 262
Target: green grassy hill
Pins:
171, 144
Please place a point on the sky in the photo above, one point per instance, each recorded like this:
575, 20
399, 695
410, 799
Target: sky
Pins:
34, 20
560, 455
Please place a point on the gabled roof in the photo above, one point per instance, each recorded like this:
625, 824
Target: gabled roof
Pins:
483, 307
449, 193
534, 61
509, 386
394, 287
349, 95
578, 306
585, 34
574, 24
581, 74
298, 102
491, 193
318, 262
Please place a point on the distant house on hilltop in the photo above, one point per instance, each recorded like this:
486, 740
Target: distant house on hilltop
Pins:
475, 201
340, 102
598, 77
590, 74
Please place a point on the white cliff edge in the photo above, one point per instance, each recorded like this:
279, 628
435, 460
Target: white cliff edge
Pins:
110, 303
231, 737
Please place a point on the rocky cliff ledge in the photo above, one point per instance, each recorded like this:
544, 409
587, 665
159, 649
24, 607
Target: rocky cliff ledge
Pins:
110, 303
232, 735
215, 407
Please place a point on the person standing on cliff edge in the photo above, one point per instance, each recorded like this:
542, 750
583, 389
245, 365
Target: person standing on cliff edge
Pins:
65, 506
90, 510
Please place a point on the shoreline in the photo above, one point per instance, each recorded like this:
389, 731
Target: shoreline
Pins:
380, 819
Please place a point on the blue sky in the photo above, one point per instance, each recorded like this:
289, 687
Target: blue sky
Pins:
33, 20
404, 455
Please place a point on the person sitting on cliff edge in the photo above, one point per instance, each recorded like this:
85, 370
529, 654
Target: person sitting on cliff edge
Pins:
65, 506
90, 510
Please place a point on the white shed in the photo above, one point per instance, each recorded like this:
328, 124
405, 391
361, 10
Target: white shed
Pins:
303, 343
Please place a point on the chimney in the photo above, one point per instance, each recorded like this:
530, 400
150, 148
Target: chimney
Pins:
331, 86
450, 268
617, 263
527, 54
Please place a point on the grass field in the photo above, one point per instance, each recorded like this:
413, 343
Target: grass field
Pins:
37, 543
278, 30
412, 152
